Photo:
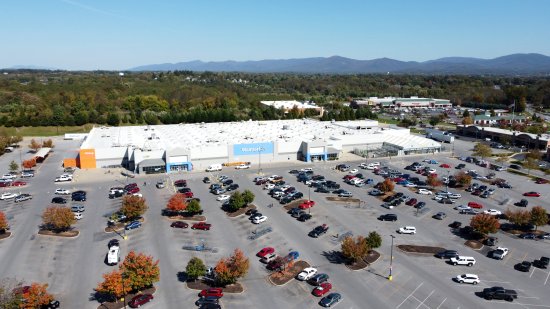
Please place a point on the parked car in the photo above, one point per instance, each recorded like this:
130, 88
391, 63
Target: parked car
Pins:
77, 208
499, 253
306, 274
322, 289
522, 203
407, 230
467, 278
211, 292
531, 193
306, 204
475, 205
265, 251
139, 300
388, 217
201, 226
179, 224
330, 300
260, 219
527, 236
447, 254
463, 260
493, 212
318, 231
440, 215
318, 279
132, 225
524, 266
542, 262
59, 200
455, 225
425, 192
304, 217
62, 191
22, 197
499, 293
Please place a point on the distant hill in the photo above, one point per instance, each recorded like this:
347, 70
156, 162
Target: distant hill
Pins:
522, 64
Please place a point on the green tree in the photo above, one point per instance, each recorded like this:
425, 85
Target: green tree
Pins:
195, 268
193, 207
13, 166
466, 113
482, 150
434, 120
236, 201
113, 119
539, 217
530, 164
248, 196
374, 240
467, 120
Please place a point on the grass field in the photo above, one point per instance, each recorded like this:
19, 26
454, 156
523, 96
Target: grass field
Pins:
46, 131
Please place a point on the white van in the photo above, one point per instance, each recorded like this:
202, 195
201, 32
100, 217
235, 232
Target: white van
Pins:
113, 257
268, 258
214, 167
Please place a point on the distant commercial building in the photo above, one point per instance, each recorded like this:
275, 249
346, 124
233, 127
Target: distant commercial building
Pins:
184, 147
289, 105
488, 120
515, 138
403, 103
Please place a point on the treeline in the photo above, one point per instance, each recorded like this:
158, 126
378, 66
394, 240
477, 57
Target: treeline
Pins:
42, 98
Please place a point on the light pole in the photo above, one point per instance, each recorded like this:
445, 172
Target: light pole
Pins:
259, 160
123, 290
390, 278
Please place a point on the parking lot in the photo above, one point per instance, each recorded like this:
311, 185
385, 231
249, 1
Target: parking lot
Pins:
73, 267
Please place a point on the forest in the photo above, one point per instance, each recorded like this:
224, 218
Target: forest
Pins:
64, 98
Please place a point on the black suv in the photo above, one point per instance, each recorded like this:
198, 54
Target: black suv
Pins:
59, 200
388, 217
233, 186
304, 217
322, 190
318, 231
446, 254
79, 196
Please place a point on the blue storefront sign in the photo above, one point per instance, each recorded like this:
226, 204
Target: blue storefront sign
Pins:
252, 149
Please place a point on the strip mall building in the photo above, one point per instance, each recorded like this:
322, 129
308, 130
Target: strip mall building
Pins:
169, 148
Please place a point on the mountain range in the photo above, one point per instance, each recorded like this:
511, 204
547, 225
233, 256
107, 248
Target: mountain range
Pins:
515, 64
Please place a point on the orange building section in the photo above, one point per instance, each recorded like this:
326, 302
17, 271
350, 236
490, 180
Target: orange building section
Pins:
69, 162
86, 159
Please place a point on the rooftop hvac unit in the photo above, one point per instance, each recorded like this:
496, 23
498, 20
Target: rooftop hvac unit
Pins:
286, 127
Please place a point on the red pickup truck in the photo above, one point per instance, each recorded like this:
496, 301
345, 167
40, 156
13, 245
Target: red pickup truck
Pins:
201, 226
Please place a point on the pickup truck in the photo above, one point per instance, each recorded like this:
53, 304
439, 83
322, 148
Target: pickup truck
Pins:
498, 292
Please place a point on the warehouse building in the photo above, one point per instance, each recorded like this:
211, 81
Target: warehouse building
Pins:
403, 103
185, 147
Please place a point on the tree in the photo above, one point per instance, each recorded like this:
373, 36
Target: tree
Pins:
48, 144
535, 154
34, 145
193, 207
36, 296
236, 201
112, 284
539, 217
177, 203
518, 217
228, 270
141, 270
248, 196
58, 218
530, 164
4, 224
113, 119
434, 120
466, 113
14, 166
432, 181
386, 186
482, 150
355, 249
28, 164
195, 268
467, 120
9, 299
133, 206
485, 224
463, 179
374, 240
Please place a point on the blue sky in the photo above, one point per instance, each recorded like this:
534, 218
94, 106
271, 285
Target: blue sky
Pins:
120, 34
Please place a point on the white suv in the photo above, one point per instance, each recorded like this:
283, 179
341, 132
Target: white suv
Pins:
467, 278
463, 260
425, 191
407, 230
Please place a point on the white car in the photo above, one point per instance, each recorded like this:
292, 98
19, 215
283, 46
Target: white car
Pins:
455, 195
62, 191
307, 169
407, 230
269, 186
137, 194
411, 185
354, 171
467, 278
492, 212
242, 166
462, 207
63, 178
363, 165
223, 197
375, 163
438, 198
78, 215
258, 220
27, 174
500, 253
307, 273
431, 171
425, 191
9, 176
272, 177
8, 195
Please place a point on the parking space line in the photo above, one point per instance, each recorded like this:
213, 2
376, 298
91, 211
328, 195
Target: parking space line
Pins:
441, 303
496, 281
410, 295
422, 303
398, 287
547, 276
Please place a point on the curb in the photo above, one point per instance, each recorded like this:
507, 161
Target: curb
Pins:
69, 237
7, 237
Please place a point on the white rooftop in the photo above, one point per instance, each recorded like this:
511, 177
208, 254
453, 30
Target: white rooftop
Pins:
288, 104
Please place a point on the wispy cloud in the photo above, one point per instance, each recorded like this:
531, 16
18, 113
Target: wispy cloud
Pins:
91, 8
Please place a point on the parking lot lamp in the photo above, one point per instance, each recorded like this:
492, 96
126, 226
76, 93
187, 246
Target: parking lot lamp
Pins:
123, 275
391, 258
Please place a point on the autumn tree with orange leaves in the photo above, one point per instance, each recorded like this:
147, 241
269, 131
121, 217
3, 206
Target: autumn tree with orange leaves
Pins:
141, 270
133, 206
58, 219
3, 222
177, 203
28, 164
36, 296
228, 270
112, 284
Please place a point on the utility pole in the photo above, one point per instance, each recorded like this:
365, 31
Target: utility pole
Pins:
390, 278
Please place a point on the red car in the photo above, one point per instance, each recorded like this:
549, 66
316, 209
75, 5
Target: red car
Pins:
212, 292
322, 289
18, 183
265, 251
201, 226
5, 183
445, 165
398, 179
411, 202
133, 190
541, 181
188, 194
349, 177
139, 300
306, 205
180, 183
475, 205
531, 193
179, 224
